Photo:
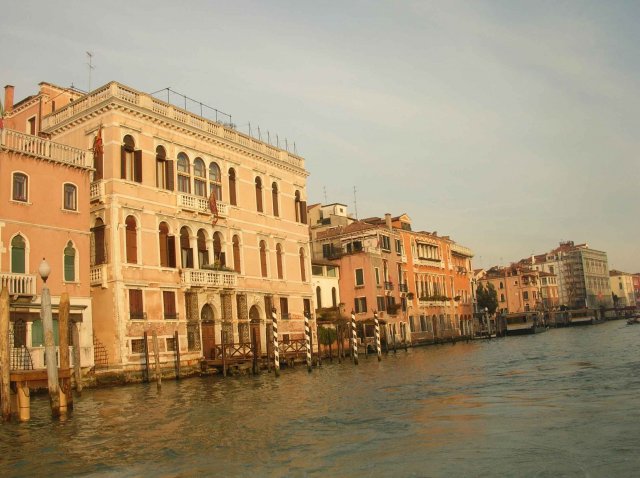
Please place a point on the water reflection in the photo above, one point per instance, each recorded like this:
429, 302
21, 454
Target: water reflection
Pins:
561, 403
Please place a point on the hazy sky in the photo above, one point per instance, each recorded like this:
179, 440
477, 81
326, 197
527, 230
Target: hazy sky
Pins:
508, 125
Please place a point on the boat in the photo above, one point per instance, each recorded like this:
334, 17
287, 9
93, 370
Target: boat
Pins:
581, 317
635, 319
523, 323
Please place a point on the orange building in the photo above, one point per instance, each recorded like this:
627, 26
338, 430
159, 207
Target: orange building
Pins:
517, 286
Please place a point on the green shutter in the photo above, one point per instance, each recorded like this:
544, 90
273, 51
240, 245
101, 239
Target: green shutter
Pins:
37, 334
69, 264
17, 260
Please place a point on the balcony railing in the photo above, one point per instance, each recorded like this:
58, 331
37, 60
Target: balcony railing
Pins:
403, 287
432, 303
44, 149
388, 285
96, 191
200, 204
98, 275
19, 284
204, 278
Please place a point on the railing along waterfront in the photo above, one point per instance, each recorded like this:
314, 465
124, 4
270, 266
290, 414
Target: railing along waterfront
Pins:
19, 284
206, 278
43, 148
169, 111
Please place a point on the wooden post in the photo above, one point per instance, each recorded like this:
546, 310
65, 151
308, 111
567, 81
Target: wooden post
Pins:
307, 336
330, 348
5, 361
268, 343
77, 370
354, 338
254, 351
176, 341
146, 356
393, 335
50, 351
66, 397
156, 354
377, 332
24, 411
224, 354
276, 352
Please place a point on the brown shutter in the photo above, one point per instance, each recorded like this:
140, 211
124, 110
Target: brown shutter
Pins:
123, 162
99, 244
171, 251
169, 175
98, 160
137, 166
131, 245
274, 197
303, 212
232, 188
236, 255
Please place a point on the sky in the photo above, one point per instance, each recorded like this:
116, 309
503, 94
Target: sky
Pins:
508, 125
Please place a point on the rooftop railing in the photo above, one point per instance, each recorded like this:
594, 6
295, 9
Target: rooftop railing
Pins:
43, 149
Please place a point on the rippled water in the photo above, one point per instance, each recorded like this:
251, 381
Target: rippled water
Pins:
563, 403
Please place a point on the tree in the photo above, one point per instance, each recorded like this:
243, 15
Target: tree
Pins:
487, 298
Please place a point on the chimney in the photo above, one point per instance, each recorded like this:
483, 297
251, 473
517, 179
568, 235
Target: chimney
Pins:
8, 98
387, 219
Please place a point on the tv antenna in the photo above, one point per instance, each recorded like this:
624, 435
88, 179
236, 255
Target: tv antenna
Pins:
91, 67
355, 202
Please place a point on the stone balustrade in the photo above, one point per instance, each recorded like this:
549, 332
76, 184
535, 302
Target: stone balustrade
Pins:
200, 204
209, 278
18, 284
44, 149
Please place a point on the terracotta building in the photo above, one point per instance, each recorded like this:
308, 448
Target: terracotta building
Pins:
518, 288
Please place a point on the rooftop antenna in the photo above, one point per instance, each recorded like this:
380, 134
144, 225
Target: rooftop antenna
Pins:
355, 202
91, 67
324, 190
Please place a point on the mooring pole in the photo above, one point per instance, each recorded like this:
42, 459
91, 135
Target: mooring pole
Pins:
77, 370
276, 352
176, 341
377, 329
254, 350
268, 343
156, 356
354, 338
66, 397
307, 337
5, 378
49, 343
146, 356
224, 354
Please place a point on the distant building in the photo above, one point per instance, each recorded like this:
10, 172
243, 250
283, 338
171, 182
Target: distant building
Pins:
636, 288
518, 287
622, 288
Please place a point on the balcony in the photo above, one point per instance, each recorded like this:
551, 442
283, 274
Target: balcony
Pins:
98, 275
433, 301
205, 278
403, 287
19, 284
200, 204
388, 285
44, 149
96, 191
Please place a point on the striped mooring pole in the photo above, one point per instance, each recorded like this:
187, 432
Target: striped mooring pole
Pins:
354, 339
377, 325
307, 337
276, 351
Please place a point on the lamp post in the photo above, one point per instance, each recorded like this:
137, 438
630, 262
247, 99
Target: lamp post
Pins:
486, 318
49, 344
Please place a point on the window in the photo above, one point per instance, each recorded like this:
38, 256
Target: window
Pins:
32, 125
184, 180
398, 246
303, 269
164, 170
318, 297
279, 260
186, 253
331, 271
167, 246
69, 263
334, 297
385, 243
20, 187
130, 160
98, 249
236, 254
263, 259
218, 255
169, 305
136, 309
284, 308
232, 187
274, 199
317, 270
501, 285
259, 195
525, 295
215, 186
359, 273
306, 306
300, 208
131, 240
360, 305
381, 303
70, 200
377, 270
18, 255
203, 253
199, 178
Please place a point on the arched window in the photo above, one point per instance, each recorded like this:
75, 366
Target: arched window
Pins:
259, 195
185, 249
199, 178
501, 285
164, 170
236, 254
167, 246
232, 187
319, 297
18, 254
203, 252
70, 197
297, 205
263, 258
98, 249
274, 198
69, 263
20, 187
301, 208
184, 180
334, 297
215, 186
279, 261
131, 240
218, 255
303, 270
130, 160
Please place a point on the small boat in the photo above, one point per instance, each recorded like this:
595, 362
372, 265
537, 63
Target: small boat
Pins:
633, 320
524, 323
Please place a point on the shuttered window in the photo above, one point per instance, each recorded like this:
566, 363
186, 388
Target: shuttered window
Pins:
232, 187
236, 254
99, 254
169, 304
18, 247
136, 307
274, 199
279, 260
263, 258
69, 263
131, 240
259, 207
303, 269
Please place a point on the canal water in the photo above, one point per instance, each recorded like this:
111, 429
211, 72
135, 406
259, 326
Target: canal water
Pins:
562, 403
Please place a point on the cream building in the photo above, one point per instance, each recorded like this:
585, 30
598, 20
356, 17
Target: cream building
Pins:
166, 258
622, 287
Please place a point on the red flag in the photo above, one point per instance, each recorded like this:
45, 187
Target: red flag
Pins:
213, 206
97, 143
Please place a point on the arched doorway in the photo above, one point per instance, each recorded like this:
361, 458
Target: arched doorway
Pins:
207, 317
254, 321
